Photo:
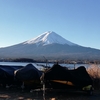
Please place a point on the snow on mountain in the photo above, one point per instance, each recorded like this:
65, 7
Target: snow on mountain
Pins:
49, 37
59, 48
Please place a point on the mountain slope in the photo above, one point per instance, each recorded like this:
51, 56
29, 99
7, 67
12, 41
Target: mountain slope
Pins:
50, 45
48, 38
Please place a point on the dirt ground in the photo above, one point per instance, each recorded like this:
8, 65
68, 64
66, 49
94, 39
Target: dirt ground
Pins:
18, 94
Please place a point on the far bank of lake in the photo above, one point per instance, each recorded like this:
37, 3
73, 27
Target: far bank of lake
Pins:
40, 65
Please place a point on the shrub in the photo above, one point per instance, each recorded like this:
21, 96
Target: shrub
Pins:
94, 71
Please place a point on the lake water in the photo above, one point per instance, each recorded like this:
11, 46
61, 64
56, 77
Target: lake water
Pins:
39, 65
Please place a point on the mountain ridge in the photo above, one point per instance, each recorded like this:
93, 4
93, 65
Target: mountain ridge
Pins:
39, 47
49, 37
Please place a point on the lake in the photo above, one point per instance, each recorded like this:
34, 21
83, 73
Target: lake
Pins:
39, 65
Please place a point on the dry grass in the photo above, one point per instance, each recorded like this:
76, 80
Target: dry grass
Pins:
94, 72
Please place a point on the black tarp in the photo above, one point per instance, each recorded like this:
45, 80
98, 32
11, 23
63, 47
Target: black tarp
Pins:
7, 74
29, 72
78, 77
30, 76
9, 69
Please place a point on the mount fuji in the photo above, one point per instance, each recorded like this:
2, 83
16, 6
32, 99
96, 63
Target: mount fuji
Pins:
48, 38
52, 46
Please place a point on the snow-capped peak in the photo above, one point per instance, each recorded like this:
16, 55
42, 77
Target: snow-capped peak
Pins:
49, 37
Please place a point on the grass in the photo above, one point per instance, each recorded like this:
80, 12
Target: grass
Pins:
94, 71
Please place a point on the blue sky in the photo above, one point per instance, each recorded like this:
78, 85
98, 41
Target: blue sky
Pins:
76, 20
